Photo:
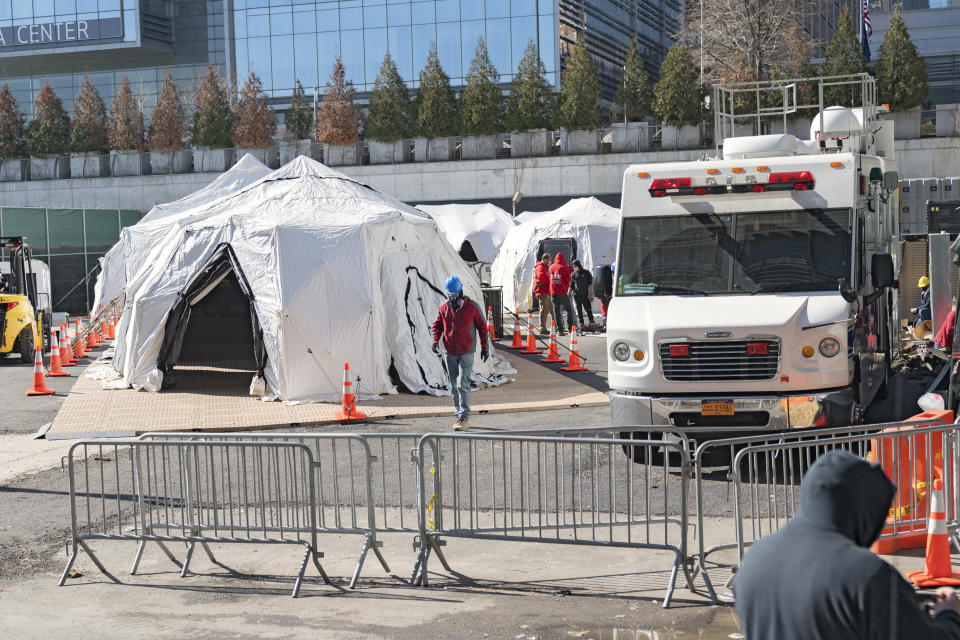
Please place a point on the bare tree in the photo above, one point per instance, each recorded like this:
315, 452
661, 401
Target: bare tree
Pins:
741, 40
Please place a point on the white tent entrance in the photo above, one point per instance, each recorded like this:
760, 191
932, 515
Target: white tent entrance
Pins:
213, 322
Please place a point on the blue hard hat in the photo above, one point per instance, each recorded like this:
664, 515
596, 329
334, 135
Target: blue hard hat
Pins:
453, 285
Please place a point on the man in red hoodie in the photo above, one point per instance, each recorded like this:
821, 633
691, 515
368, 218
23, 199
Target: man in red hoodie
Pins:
541, 290
455, 322
560, 274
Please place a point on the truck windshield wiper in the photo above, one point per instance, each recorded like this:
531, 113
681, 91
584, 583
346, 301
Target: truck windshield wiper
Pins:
792, 286
666, 288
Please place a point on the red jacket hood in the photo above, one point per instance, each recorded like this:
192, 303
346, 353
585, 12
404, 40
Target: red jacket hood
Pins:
560, 259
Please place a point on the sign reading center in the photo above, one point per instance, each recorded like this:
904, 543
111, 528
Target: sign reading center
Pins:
69, 31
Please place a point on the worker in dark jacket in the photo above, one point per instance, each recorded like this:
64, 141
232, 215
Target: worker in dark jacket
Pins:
455, 323
923, 311
560, 274
581, 287
816, 578
541, 290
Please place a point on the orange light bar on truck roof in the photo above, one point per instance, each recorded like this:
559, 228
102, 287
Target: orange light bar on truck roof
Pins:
777, 181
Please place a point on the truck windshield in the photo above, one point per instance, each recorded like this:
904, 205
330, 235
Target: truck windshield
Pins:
764, 252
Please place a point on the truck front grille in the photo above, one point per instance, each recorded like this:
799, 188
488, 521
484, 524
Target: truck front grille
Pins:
721, 361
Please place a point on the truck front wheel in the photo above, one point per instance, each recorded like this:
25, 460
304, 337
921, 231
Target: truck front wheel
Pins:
26, 345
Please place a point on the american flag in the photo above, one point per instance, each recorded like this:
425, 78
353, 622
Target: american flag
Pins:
867, 28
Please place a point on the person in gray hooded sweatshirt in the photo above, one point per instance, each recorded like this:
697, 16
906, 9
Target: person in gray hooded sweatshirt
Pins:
816, 578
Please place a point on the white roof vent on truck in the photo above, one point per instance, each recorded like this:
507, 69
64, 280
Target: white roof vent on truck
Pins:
838, 122
768, 146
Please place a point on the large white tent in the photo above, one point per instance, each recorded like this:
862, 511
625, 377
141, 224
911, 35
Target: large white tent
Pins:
332, 272
136, 241
483, 226
590, 222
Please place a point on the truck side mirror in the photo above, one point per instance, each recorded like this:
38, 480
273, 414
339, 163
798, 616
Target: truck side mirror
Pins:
846, 291
891, 180
881, 268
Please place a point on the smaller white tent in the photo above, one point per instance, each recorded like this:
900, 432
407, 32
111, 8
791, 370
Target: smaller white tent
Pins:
127, 256
483, 226
591, 223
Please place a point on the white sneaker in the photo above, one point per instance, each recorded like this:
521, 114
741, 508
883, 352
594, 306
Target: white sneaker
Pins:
460, 425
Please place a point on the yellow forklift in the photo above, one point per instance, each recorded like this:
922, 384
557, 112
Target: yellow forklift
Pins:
22, 318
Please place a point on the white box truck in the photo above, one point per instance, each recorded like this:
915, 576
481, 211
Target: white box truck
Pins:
755, 291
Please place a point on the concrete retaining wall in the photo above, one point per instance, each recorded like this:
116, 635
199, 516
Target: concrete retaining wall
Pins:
468, 180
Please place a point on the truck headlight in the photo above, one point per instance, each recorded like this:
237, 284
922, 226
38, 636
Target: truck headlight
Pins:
829, 347
621, 351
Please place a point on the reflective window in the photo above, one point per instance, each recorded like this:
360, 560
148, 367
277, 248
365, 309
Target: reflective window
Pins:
328, 47
547, 43
471, 10
6, 13
303, 22
498, 8
522, 30
448, 47
424, 35
65, 6
401, 49
305, 58
351, 18
398, 14
375, 16
375, 52
328, 19
42, 8
283, 77
448, 10
498, 44
258, 24
351, 49
471, 31
423, 12
523, 7
258, 52
281, 23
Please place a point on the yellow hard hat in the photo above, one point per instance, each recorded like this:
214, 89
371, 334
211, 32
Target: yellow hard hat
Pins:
923, 282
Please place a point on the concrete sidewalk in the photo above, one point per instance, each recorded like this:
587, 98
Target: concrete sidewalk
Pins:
22, 455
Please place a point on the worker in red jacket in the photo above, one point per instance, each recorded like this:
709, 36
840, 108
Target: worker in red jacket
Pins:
455, 323
541, 290
560, 274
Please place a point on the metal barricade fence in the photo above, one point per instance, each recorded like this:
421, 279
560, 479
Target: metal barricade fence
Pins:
347, 497
192, 492
764, 475
580, 491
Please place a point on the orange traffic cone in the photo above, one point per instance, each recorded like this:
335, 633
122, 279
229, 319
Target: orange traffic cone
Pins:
39, 385
936, 567
55, 370
531, 338
112, 328
81, 351
552, 354
490, 326
574, 363
517, 337
348, 410
68, 356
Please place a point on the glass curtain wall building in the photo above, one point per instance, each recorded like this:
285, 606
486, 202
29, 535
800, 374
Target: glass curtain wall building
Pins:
58, 41
285, 40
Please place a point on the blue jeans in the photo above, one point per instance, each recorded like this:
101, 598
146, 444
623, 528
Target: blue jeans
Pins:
460, 370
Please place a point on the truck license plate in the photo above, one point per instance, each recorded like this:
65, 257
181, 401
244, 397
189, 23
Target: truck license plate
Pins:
716, 408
